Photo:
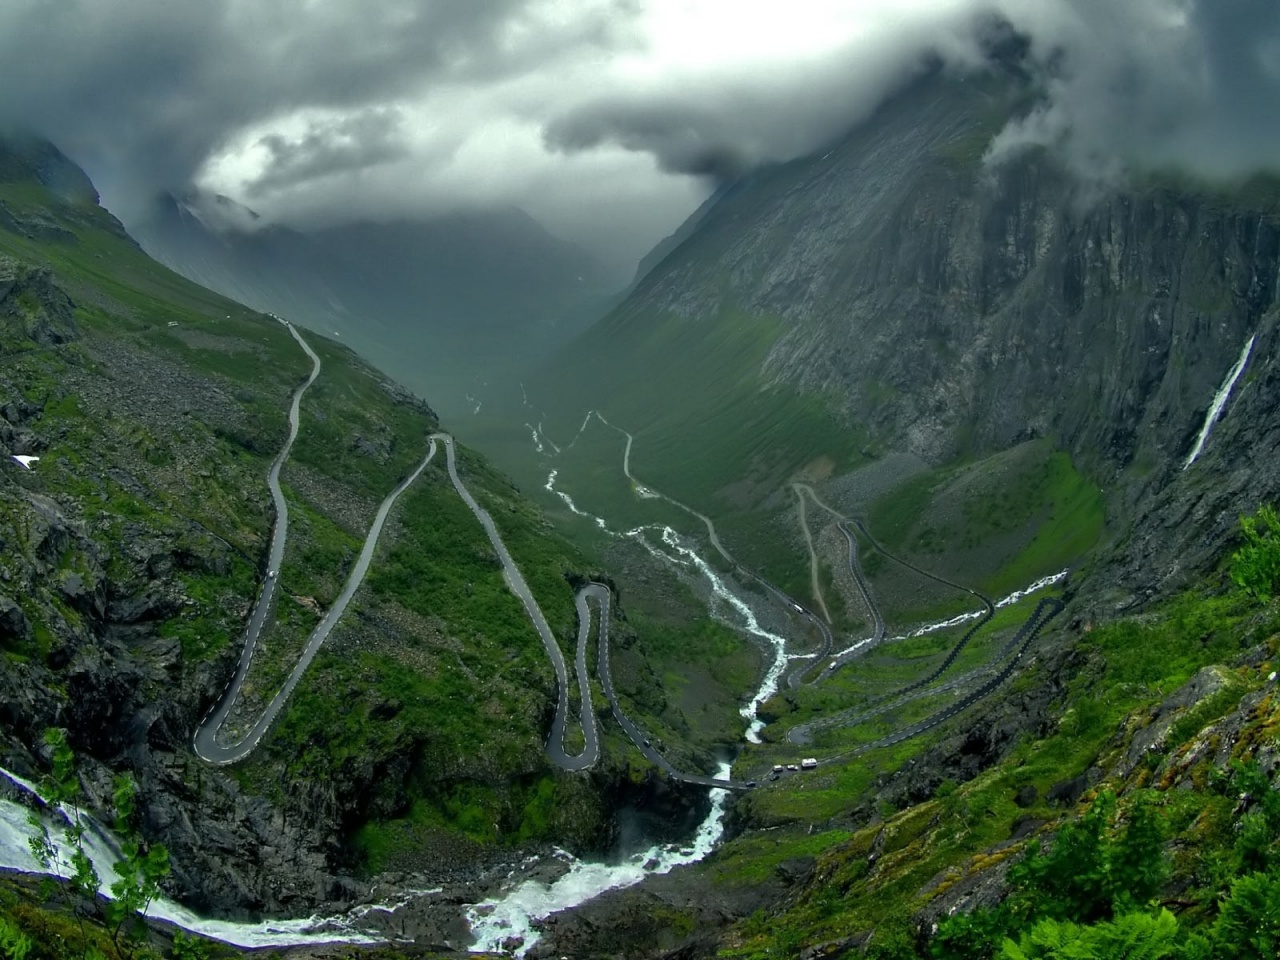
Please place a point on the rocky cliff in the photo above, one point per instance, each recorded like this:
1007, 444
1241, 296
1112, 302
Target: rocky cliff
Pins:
952, 306
131, 548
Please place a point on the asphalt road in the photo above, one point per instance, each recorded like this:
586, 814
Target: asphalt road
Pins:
599, 593
206, 742
516, 583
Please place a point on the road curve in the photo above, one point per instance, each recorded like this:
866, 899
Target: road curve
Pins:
802, 733
516, 583
206, 743
815, 581
1045, 610
205, 746
600, 594
789, 603
206, 735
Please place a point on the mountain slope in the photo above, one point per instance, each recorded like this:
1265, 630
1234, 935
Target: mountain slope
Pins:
134, 544
444, 305
897, 295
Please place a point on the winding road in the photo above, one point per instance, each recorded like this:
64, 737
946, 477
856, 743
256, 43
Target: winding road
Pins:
789, 603
516, 583
601, 595
1045, 611
205, 741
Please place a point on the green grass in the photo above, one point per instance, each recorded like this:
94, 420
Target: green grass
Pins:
1123, 668
708, 428
434, 678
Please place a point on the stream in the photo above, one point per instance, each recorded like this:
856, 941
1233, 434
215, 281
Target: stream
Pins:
509, 920
103, 850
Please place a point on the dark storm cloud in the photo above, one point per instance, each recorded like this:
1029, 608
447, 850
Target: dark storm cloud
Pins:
1187, 83
367, 139
605, 118
1190, 83
740, 116
1240, 115
148, 89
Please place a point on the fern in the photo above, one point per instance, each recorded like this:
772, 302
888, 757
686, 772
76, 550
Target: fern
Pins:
1135, 936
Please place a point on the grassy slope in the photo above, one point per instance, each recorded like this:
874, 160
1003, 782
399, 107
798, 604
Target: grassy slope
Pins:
432, 642
1126, 668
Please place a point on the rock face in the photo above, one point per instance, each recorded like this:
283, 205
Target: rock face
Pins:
955, 308
33, 304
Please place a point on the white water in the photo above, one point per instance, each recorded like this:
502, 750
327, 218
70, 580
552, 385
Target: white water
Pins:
769, 686
103, 851
1219, 402
513, 915
1012, 598
550, 487
537, 441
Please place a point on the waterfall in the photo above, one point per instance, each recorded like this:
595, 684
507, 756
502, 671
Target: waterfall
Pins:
1220, 401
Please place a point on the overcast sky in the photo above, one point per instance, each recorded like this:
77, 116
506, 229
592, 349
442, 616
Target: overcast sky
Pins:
608, 120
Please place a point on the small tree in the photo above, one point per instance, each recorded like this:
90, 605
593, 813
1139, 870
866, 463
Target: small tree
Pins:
1255, 567
60, 791
138, 872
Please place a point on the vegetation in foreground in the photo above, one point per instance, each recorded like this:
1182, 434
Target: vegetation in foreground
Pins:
1172, 850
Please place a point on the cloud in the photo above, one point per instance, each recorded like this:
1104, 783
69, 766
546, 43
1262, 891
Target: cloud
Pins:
721, 119
607, 119
329, 147
1191, 84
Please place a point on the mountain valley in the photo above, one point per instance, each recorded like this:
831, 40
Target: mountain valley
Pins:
920, 496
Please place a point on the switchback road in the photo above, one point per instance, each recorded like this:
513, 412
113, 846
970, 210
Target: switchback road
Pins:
206, 743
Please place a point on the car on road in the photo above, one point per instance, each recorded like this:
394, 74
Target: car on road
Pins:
778, 768
793, 766
271, 574
752, 783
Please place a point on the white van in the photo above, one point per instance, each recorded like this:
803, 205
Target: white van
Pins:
809, 763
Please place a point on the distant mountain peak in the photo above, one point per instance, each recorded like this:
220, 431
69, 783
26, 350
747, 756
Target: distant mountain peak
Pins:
216, 212
27, 157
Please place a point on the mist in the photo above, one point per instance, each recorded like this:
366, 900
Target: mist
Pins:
607, 120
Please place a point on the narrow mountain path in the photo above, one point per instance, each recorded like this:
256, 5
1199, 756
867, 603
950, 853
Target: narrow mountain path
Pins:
516, 583
205, 741
815, 582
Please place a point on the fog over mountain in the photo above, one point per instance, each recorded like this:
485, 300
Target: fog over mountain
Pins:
607, 120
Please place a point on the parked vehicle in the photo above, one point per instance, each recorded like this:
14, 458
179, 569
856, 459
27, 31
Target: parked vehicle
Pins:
809, 763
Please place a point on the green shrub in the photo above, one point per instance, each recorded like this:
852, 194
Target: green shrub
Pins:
14, 944
1135, 936
972, 936
1255, 567
1248, 927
